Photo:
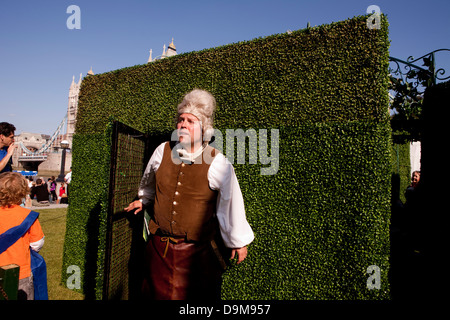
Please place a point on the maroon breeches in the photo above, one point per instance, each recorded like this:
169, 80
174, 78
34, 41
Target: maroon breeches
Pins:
180, 270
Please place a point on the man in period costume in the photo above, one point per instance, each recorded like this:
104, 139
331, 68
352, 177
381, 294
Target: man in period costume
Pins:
196, 204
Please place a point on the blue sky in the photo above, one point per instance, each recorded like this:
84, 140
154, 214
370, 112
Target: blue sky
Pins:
39, 55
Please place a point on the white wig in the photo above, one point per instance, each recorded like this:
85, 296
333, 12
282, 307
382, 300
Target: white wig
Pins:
202, 105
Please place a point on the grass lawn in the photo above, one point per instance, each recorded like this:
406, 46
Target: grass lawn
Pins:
53, 222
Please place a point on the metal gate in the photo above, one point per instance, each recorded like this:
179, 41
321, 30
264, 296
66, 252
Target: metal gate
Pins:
124, 242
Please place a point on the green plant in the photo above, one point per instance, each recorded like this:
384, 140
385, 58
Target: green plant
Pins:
323, 218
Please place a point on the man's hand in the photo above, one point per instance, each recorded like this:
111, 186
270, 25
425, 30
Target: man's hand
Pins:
134, 205
241, 253
5, 160
11, 148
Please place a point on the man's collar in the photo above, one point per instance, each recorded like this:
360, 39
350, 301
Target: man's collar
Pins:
186, 156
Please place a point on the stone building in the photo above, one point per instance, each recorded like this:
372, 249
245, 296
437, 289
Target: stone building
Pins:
171, 51
42, 151
38, 151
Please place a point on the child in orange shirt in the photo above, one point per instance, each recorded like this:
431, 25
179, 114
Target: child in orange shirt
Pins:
14, 188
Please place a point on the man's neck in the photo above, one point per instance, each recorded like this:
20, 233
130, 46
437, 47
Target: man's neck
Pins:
194, 147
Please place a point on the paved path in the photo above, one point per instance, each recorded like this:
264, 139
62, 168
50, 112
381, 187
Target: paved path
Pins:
51, 206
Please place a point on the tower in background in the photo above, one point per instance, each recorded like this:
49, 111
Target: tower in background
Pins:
72, 108
171, 51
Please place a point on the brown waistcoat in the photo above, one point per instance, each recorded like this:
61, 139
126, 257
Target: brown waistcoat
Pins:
185, 205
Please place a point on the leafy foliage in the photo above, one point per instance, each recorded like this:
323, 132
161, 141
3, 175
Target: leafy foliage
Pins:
409, 87
324, 217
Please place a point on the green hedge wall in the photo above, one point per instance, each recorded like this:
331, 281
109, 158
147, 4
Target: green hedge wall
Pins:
85, 238
401, 169
323, 219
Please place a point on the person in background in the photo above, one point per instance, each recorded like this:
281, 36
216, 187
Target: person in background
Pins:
40, 192
7, 146
62, 193
52, 189
30, 182
68, 180
415, 178
13, 189
414, 215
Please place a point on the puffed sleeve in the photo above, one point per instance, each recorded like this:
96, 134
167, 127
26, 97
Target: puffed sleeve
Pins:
146, 191
234, 227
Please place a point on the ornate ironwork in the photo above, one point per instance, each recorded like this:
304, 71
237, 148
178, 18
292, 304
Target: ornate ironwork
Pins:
424, 76
409, 81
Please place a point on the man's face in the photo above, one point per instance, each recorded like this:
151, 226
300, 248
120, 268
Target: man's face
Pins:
7, 139
189, 129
